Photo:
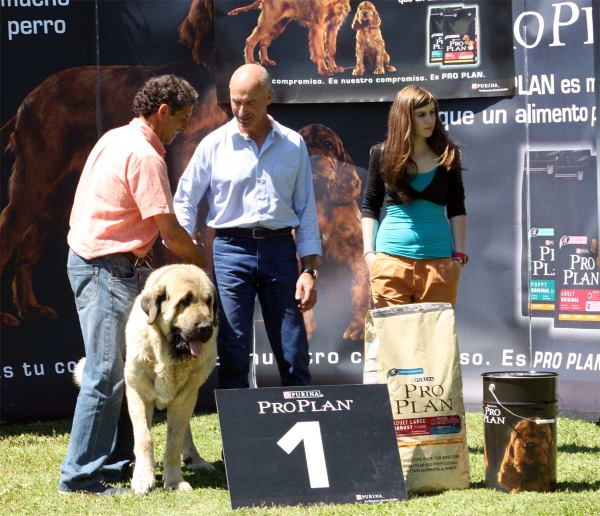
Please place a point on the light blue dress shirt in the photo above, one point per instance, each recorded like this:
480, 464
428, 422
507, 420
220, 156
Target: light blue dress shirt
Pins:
271, 188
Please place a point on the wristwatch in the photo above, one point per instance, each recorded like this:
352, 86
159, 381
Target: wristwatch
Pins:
313, 272
461, 257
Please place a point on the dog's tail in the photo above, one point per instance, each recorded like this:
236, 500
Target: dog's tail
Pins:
6, 132
78, 372
255, 5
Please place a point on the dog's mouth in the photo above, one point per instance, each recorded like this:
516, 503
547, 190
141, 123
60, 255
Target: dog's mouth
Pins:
188, 346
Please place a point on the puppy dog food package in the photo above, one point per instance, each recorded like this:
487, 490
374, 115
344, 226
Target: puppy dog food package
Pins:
546, 175
436, 35
460, 36
577, 255
414, 350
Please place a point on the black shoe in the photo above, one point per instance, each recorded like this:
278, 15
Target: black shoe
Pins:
100, 488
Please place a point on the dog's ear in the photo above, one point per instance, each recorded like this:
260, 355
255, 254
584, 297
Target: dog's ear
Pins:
196, 31
215, 308
151, 302
356, 21
375, 22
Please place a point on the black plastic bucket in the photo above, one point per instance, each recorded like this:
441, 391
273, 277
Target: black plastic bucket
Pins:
519, 410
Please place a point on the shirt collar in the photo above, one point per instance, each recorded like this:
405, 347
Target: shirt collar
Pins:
275, 128
150, 135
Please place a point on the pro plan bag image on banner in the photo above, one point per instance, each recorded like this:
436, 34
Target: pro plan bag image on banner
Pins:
547, 175
460, 36
414, 350
577, 256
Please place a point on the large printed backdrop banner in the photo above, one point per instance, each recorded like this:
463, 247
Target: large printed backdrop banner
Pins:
528, 298
353, 51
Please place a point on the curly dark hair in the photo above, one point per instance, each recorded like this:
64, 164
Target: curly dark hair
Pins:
165, 89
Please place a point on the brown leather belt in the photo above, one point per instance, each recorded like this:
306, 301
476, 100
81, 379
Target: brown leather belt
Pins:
256, 233
137, 262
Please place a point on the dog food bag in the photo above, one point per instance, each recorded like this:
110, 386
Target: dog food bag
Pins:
414, 350
436, 35
460, 36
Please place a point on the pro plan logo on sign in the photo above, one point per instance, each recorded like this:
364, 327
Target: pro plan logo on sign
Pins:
300, 395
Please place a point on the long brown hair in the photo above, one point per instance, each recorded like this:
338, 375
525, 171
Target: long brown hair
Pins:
396, 150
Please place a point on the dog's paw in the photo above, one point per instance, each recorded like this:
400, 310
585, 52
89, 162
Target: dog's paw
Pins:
177, 486
354, 332
143, 482
198, 463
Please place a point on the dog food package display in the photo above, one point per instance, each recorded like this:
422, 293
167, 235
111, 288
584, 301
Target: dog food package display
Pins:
577, 258
520, 430
436, 35
460, 36
414, 350
545, 177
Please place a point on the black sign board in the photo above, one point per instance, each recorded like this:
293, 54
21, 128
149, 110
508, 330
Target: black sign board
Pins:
305, 445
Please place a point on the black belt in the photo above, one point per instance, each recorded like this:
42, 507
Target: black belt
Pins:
137, 262
256, 233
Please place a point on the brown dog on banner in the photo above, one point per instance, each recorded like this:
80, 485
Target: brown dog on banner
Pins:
370, 46
322, 17
337, 190
55, 129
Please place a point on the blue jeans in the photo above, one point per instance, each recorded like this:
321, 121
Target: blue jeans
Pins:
100, 445
245, 268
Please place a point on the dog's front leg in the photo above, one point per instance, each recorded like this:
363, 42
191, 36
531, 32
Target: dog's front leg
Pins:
179, 413
141, 411
359, 69
379, 62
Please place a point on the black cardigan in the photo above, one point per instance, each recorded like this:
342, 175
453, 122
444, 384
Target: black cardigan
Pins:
446, 189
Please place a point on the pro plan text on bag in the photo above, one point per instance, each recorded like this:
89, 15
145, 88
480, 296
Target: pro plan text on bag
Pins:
460, 36
414, 350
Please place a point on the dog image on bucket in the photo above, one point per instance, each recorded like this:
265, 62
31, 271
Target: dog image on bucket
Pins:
520, 431
528, 463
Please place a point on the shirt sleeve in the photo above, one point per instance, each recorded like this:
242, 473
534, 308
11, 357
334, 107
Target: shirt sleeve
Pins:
149, 186
308, 240
375, 189
456, 194
190, 190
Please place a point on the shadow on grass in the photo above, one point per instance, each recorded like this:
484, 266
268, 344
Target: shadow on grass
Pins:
203, 478
45, 428
575, 448
475, 449
578, 487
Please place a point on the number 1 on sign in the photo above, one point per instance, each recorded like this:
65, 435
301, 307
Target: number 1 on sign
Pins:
310, 433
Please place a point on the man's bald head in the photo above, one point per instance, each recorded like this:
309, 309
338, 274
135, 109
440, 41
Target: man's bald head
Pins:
251, 75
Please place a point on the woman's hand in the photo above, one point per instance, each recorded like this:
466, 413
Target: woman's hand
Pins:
369, 258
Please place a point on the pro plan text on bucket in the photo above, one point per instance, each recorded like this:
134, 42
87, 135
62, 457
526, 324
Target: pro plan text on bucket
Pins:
520, 430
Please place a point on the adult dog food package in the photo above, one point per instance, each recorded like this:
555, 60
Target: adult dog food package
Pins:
436, 35
460, 36
545, 177
577, 258
414, 350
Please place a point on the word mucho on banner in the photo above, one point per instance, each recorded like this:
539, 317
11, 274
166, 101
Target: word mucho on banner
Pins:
34, 27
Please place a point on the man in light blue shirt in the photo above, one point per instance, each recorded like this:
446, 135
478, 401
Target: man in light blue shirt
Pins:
255, 174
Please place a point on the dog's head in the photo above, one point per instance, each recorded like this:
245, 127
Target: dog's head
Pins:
181, 301
366, 16
197, 31
529, 446
333, 170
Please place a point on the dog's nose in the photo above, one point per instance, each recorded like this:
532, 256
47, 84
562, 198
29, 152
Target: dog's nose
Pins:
529, 446
205, 330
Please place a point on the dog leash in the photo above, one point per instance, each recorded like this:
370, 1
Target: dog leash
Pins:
492, 389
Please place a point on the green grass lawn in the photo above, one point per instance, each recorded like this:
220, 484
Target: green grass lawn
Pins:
31, 454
